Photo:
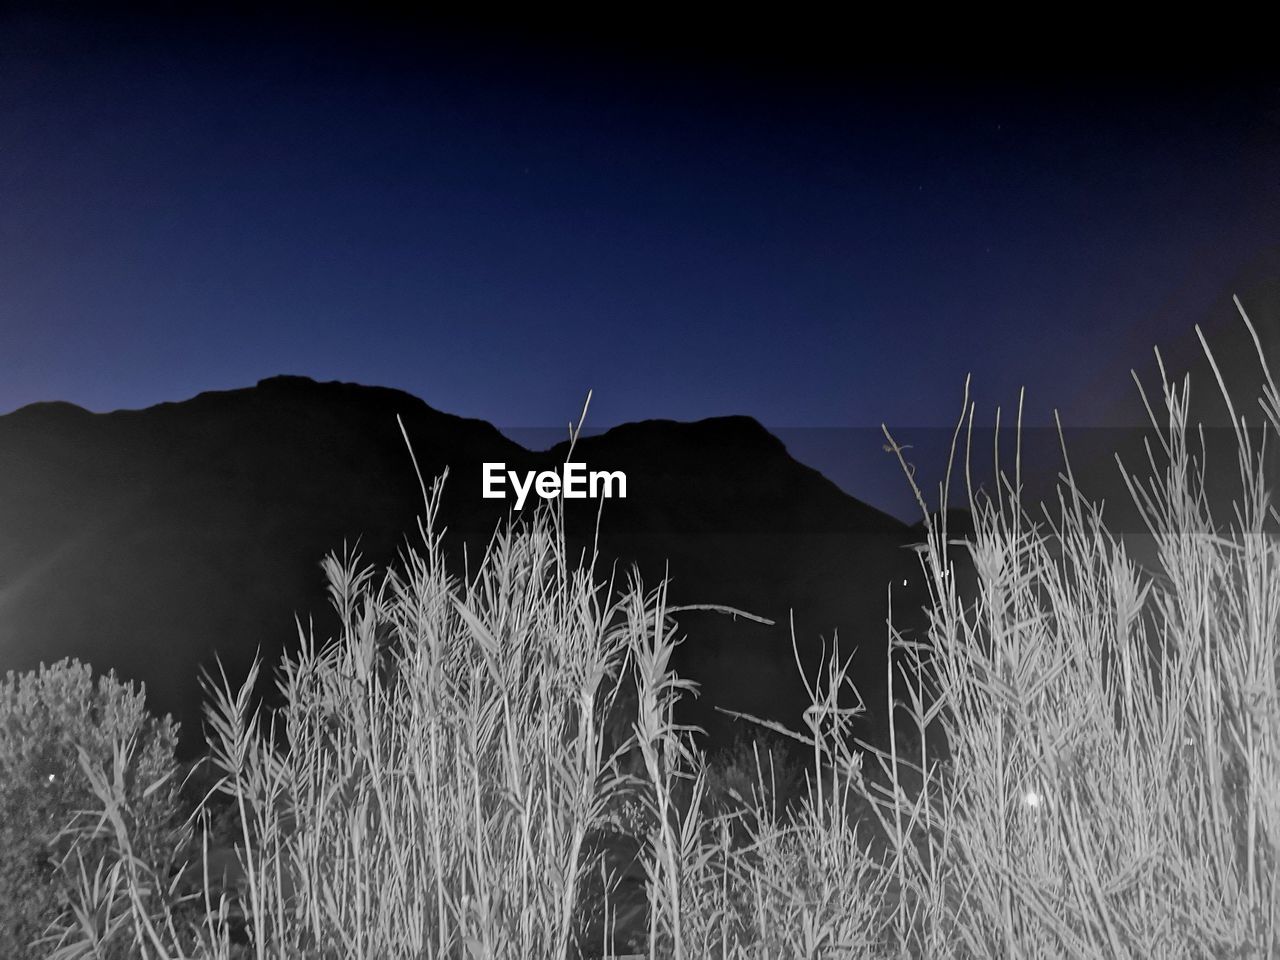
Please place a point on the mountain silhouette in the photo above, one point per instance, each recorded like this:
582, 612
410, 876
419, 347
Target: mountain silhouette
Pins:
149, 541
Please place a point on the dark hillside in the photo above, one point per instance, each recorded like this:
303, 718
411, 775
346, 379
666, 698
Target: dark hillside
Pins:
149, 540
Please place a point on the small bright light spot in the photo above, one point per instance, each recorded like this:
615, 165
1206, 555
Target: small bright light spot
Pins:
52, 777
904, 583
1033, 799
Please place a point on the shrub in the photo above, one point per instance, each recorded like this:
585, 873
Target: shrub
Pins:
753, 771
47, 717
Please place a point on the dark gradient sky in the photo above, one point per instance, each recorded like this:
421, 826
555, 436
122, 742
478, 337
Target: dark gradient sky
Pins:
497, 222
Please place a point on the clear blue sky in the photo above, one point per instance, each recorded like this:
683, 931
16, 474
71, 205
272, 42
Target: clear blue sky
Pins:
497, 223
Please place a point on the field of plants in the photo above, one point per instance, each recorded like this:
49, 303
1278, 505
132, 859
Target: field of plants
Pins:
487, 766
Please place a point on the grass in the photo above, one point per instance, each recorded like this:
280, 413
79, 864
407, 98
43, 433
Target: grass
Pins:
1088, 764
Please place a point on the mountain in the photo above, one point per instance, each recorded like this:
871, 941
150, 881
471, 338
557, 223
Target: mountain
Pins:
148, 541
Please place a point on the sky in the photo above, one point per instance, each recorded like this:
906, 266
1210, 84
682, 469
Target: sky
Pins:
686, 224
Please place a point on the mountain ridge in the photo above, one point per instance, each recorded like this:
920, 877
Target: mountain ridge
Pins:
151, 540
